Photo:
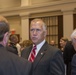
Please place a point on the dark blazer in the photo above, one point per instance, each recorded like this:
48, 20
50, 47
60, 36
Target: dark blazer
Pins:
11, 49
14, 48
48, 61
11, 64
68, 53
74, 65
67, 56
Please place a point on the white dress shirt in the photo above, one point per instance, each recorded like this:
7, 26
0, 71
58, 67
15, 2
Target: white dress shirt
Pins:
39, 46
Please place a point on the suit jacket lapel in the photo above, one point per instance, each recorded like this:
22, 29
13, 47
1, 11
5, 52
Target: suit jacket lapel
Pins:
1, 45
40, 55
28, 52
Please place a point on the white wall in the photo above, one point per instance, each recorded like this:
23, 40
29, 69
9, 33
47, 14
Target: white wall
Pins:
41, 1
15, 23
9, 3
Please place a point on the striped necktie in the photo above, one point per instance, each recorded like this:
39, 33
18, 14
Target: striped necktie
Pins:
32, 54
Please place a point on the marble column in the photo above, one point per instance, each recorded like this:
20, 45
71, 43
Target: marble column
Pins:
25, 2
24, 27
67, 23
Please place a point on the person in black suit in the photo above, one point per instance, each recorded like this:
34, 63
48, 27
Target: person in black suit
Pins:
48, 59
68, 53
73, 63
10, 64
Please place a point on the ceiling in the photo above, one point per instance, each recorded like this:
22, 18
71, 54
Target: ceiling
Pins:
9, 3
16, 3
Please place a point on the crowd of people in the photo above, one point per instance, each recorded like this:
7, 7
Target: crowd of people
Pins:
35, 56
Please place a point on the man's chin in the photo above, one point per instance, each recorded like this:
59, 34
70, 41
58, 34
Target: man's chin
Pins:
34, 41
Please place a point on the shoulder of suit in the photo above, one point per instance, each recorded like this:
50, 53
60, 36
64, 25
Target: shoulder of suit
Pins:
53, 49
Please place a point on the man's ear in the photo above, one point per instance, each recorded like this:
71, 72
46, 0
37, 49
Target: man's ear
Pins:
45, 33
75, 38
6, 34
5, 38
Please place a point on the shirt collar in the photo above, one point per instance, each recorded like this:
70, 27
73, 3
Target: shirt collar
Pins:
40, 45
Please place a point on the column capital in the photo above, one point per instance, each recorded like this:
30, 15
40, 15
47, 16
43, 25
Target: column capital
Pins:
25, 2
67, 11
24, 15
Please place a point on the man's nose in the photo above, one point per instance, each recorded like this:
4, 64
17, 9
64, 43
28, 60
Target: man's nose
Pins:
35, 32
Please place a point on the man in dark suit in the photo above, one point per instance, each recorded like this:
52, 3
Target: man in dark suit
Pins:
68, 53
10, 64
48, 59
73, 38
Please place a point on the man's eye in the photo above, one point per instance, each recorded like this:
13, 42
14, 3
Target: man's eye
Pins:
38, 30
31, 29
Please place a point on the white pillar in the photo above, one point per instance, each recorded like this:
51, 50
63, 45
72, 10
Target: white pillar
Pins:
25, 27
25, 2
67, 23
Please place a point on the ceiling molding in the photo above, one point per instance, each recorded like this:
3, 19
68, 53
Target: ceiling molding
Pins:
46, 7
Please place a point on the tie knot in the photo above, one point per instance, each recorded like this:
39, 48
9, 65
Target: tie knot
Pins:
32, 54
34, 47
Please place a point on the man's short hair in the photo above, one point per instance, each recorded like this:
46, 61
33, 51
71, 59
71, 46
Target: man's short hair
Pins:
4, 27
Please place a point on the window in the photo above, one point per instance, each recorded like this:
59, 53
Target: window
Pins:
54, 28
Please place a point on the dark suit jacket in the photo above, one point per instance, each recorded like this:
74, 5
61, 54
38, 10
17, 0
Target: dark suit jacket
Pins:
11, 64
14, 48
67, 56
48, 61
74, 65
11, 49
68, 53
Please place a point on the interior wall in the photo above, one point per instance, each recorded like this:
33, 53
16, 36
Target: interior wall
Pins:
41, 1
27, 11
9, 3
15, 23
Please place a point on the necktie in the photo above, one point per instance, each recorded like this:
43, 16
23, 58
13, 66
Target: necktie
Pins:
32, 54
